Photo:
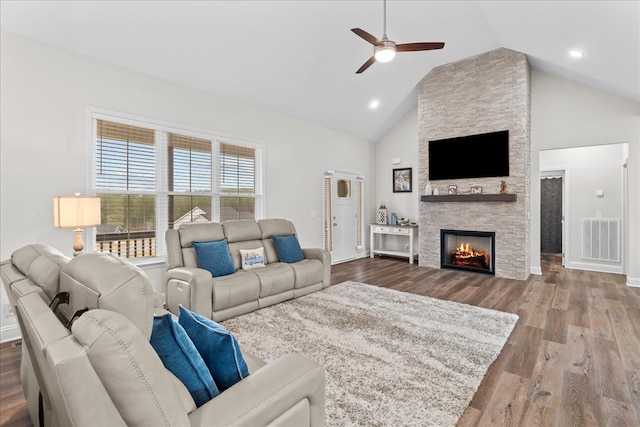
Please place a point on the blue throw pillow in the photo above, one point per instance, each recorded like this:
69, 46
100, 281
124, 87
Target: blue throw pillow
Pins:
218, 347
180, 356
288, 248
215, 257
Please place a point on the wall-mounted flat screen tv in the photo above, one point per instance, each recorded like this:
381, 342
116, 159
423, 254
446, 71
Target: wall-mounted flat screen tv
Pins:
475, 156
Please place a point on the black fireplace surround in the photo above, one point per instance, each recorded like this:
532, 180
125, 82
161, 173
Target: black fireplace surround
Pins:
468, 250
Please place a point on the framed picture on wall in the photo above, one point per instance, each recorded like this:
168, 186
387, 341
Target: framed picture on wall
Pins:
402, 180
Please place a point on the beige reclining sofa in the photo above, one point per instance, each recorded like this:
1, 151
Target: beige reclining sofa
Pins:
244, 290
104, 371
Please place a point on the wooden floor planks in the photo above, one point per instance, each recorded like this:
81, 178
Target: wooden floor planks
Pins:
572, 359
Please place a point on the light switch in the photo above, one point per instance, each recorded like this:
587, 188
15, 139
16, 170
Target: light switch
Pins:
599, 193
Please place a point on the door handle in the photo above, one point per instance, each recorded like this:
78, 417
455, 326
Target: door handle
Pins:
335, 224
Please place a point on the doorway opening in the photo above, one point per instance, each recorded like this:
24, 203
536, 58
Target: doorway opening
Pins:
594, 205
552, 215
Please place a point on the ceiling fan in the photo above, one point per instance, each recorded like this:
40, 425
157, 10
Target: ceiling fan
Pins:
385, 50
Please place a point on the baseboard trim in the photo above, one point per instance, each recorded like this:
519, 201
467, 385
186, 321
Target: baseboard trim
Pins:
634, 282
602, 268
536, 269
9, 333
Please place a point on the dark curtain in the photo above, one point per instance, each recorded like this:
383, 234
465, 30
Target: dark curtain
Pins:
551, 215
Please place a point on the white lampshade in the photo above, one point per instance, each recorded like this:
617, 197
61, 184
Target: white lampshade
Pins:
76, 211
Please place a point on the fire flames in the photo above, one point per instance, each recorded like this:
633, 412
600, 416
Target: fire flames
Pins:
467, 256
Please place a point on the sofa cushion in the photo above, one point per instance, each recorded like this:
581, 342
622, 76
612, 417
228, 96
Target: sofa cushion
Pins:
218, 347
42, 264
235, 289
288, 248
275, 278
181, 357
101, 280
198, 231
308, 272
252, 258
275, 227
241, 230
129, 368
215, 257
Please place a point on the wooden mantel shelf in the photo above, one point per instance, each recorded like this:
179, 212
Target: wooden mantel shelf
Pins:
470, 198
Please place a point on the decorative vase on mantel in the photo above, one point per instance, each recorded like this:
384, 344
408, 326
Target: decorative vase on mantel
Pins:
427, 189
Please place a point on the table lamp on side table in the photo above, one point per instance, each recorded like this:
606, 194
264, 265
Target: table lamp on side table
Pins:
76, 212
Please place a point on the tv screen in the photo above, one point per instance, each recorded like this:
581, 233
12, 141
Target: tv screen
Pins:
475, 156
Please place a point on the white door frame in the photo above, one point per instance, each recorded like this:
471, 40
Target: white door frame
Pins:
330, 215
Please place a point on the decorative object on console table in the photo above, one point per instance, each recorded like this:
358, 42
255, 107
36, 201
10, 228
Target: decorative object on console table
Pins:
76, 212
402, 180
382, 214
476, 190
453, 189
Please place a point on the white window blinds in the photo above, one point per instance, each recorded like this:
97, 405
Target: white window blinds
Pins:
153, 177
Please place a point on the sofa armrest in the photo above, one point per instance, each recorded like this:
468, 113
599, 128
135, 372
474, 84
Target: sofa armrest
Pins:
325, 258
190, 287
267, 394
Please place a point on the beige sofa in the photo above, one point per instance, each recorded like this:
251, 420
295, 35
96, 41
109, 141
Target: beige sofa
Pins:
104, 371
243, 291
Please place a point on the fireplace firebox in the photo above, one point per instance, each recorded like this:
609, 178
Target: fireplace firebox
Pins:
468, 250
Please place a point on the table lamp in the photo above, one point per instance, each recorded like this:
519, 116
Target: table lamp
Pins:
76, 212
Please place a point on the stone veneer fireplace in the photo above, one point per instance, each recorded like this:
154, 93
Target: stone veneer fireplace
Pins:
484, 93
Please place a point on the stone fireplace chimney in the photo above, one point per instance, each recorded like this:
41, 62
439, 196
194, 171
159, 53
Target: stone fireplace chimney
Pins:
485, 93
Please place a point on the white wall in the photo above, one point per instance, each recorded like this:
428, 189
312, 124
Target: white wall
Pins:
588, 169
401, 142
45, 92
566, 114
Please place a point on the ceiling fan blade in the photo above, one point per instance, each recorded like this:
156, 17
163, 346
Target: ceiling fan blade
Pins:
368, 37
413, 47
366, 65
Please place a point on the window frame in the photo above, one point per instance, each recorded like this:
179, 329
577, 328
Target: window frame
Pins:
162, 129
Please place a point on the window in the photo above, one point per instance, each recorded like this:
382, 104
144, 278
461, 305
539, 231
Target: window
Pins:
125, 182
237, 182
190, 166
151, 177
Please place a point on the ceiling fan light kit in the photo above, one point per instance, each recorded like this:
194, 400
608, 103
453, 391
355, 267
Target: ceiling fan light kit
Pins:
385, 50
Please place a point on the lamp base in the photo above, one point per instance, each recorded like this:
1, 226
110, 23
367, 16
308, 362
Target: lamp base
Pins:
78, 246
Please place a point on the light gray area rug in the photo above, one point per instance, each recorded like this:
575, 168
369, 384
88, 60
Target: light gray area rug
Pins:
392, 358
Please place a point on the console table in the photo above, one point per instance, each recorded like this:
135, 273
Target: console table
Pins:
409, 231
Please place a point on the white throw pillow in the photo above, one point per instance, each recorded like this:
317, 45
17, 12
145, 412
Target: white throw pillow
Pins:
252, 258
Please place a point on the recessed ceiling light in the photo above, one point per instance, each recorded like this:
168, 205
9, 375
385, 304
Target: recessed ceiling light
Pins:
575, 53
375, 103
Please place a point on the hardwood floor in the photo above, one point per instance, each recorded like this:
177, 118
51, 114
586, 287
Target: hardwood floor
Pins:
13, 408
572, 359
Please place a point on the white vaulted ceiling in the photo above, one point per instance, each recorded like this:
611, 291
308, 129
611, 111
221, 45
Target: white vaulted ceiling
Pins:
300, 57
